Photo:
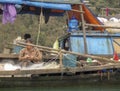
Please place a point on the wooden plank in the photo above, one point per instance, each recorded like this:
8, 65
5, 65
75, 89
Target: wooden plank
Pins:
35, 71
15, 56
12, 56
59, 1
59, 70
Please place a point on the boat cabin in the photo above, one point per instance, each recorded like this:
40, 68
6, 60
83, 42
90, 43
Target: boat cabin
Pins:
97, 43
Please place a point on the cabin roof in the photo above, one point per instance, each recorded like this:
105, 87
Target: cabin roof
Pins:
72, 6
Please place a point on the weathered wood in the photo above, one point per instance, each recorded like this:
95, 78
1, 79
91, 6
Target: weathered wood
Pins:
61, 58
77, 11
59, 70
108, 74
38, 46
116, 42
104, 26
11, 56
74, 53
41, 48
84, 30
59, 1
15, 56
6, 50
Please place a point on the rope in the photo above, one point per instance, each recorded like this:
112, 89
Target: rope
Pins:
40, 21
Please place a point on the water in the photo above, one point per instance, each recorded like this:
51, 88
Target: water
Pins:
80, 87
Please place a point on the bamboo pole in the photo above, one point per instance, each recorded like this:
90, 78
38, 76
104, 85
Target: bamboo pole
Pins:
101, 76
104, 26
90, 56
74, 53
102, 12
39, 28
77, 11
108, 73
61, 58
40, 48
84, 30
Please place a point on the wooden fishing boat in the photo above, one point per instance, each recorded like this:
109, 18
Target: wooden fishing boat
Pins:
93, 43
109, 71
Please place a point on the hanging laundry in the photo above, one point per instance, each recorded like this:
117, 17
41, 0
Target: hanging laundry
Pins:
56, 44
9, 13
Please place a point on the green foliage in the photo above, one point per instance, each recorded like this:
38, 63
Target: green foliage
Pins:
99, 4
27, 23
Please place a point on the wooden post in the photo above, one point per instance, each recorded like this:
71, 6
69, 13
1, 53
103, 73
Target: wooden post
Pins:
108, 73
61, 63
101, 76
61, 58
84, 31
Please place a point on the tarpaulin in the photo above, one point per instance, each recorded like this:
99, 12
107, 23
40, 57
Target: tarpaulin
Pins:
39, 4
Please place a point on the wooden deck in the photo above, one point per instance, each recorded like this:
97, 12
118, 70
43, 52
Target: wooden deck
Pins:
58, 76
61, 70
23, 72
15, 56
9, 56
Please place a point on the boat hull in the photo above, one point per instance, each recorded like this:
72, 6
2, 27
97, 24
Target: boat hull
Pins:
59, 80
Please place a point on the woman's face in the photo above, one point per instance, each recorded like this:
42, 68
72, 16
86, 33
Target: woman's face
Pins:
29, 46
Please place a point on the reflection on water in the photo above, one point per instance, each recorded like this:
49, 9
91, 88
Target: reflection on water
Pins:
80, 87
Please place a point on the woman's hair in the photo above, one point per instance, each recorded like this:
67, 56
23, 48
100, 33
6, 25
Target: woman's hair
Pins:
26, 36
29, 40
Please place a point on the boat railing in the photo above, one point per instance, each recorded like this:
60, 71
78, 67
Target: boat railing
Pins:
60, 53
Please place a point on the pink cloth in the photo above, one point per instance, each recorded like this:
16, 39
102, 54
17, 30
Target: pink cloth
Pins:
9, 13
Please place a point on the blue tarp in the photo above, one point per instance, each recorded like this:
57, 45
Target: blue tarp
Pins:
11, 1
97, 43
39, 4
69, 60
